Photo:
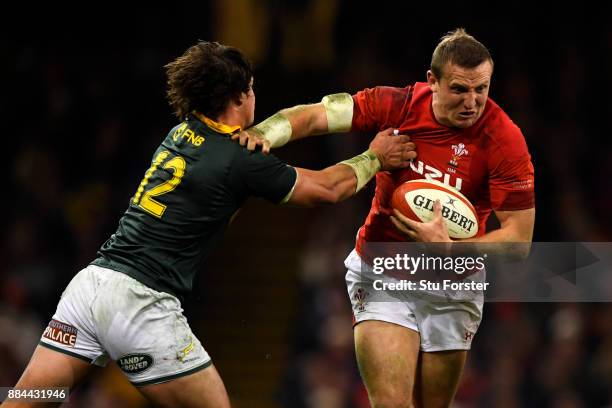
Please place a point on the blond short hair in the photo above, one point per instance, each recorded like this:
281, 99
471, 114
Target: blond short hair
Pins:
459, 48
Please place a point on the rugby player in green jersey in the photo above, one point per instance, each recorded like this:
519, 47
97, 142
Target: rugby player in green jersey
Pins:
125, 305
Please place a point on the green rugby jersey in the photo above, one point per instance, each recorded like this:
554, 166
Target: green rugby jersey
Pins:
197, 180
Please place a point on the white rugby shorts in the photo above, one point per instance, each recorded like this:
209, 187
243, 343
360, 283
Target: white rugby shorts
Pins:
443, 324
106, 314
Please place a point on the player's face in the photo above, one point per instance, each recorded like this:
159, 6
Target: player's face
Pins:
248, 106
459, 97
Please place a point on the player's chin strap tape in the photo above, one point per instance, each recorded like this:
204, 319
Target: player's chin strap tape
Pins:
339, 111
365, 167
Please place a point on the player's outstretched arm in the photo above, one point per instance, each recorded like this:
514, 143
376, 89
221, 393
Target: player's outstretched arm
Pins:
345, 179
333, 114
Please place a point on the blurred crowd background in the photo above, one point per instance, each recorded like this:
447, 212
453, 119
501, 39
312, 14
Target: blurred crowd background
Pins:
84, 107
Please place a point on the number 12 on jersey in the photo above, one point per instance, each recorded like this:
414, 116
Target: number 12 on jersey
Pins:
145, 199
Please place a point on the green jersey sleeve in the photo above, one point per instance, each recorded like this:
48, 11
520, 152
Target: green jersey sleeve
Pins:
264, 176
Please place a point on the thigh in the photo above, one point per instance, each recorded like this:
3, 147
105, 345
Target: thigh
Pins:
203, 389
145, 332
387, 355
437, 378
50, 368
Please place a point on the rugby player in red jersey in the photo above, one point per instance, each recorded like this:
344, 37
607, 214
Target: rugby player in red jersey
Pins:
413, 352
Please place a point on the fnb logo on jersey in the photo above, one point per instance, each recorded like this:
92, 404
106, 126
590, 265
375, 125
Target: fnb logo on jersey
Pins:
61, 332
431, 173
447, 212
184, 133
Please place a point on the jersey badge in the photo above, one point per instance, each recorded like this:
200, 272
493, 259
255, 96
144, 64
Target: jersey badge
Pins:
458, 151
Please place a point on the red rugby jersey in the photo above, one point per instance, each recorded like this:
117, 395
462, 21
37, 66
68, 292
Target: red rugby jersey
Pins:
488, 162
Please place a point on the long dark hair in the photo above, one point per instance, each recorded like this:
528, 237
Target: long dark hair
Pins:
206, 78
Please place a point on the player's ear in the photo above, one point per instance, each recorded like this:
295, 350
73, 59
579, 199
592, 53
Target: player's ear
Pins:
237, 102
432, 81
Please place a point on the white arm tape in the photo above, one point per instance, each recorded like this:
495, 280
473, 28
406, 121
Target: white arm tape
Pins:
365, 166
339, 111
276, 129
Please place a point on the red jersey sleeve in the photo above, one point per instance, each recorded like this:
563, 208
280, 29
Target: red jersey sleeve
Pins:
379, 108
511, 181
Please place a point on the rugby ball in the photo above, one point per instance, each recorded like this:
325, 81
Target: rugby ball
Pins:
415, 199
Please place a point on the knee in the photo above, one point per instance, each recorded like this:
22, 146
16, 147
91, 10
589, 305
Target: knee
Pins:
391, 400
433, 403
391, 404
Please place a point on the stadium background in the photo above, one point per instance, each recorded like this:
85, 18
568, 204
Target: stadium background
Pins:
83, 110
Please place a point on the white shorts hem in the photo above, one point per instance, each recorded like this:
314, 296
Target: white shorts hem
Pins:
169, 377
363, 317
447, 347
